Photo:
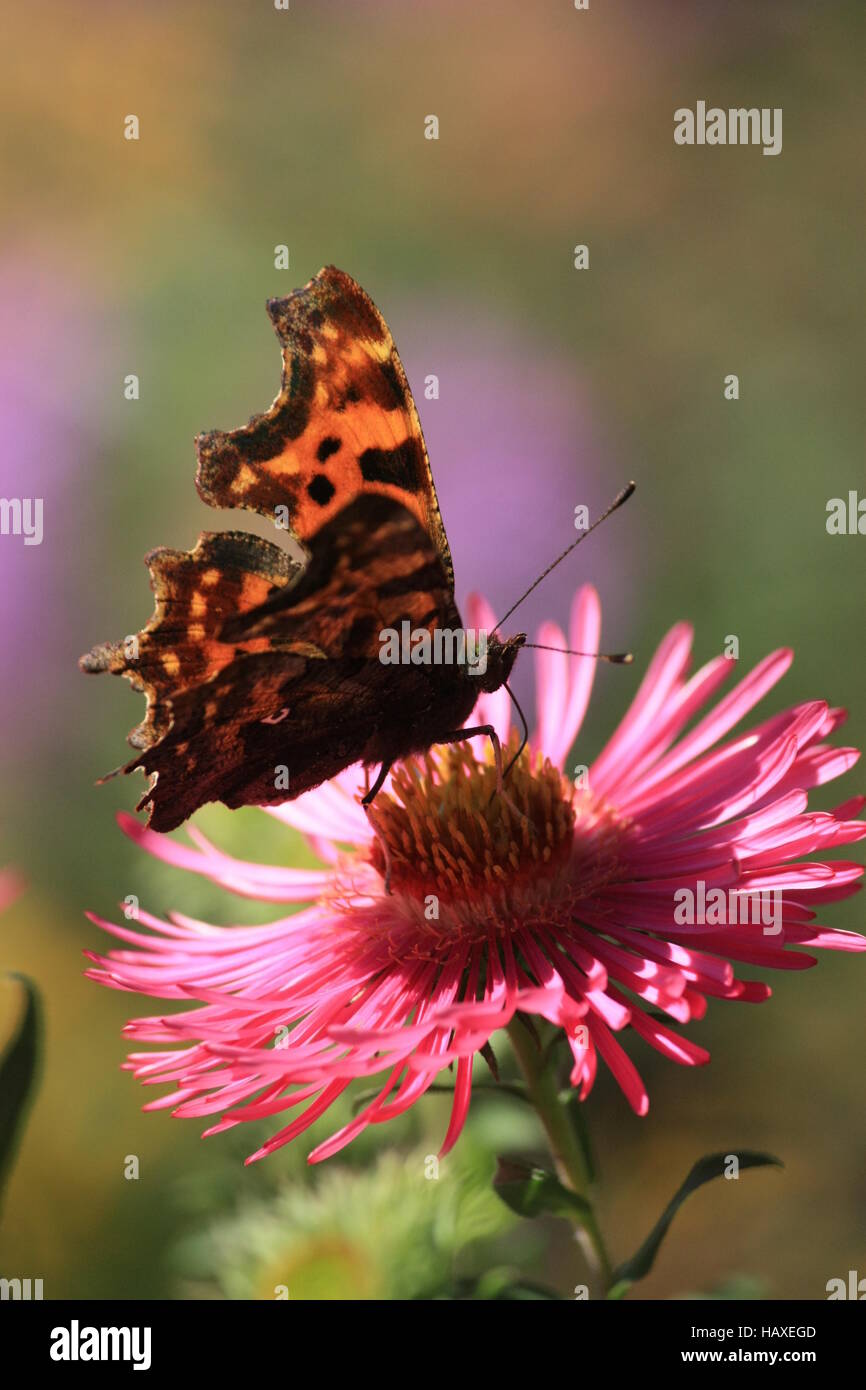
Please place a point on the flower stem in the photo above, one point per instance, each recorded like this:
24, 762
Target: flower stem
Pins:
565, 1147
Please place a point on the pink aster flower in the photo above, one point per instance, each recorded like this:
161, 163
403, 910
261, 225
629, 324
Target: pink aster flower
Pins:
566, 911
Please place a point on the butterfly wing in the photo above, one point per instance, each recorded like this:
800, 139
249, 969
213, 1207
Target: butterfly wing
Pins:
195, 592
248, 665
344, 422
292, 688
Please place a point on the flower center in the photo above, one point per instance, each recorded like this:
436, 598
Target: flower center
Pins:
451, 837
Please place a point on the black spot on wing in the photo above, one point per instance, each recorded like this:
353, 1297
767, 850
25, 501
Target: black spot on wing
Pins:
329, 445
399, 466
321, 489
394, 396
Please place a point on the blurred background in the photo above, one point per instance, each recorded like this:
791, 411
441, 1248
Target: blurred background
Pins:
154, 257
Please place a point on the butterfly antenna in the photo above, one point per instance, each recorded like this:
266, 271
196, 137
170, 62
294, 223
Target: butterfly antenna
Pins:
617, 502
618, 658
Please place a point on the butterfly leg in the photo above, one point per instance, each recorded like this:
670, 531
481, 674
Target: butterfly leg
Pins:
377, 786
489, 731
366, 801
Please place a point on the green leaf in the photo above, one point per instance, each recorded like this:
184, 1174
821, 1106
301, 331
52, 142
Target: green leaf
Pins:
574, 1108
705, 1170
489, 1088
502, 1283
619, 1290
530, 1191
526, 1291
738, 1289
496, 1286
17, 1074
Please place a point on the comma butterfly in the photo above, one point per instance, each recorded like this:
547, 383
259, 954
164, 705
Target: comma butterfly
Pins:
254, 662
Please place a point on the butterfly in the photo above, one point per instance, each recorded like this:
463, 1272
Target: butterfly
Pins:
264, 674
254, 662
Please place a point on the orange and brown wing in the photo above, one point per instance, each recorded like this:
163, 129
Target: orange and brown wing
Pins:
196, 593
252, 666
344, 422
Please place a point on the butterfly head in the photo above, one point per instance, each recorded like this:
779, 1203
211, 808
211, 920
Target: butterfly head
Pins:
500, 656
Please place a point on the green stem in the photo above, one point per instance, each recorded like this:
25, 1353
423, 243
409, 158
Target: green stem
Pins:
565, 1148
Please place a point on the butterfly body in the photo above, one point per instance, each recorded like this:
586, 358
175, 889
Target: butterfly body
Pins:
265, 676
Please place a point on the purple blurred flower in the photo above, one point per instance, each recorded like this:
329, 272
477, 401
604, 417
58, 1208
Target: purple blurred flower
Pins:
515, 445
47, 365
